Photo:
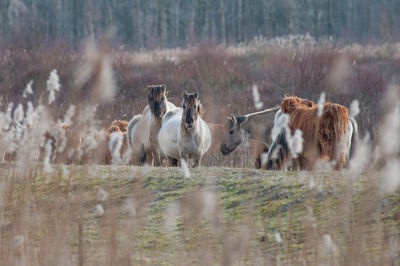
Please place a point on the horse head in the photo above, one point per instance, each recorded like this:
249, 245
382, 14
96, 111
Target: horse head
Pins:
192, 109
234, 135
157, 100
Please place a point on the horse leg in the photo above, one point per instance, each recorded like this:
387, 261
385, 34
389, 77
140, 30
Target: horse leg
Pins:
172, 162
296, 164
197, 161
155, 149
156, 157
148, 156
140, 157
185, 157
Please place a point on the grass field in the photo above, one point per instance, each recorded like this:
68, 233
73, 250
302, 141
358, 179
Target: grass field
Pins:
218, 216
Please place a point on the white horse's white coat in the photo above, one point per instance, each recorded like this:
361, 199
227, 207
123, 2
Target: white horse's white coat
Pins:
168, 135
179, 143
145, 130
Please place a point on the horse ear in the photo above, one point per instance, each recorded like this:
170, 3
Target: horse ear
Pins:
185, 94
196, 95
232, 119
200, 109
163, 88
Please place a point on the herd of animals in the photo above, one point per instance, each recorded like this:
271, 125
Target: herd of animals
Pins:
167, 133
164, 134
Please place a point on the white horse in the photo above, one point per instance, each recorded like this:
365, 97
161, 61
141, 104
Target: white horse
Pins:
184, 134
143, 136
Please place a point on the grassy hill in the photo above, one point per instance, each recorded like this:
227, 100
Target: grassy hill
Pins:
219, 216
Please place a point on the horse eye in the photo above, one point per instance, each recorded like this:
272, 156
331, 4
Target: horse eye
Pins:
231, 132
184, 107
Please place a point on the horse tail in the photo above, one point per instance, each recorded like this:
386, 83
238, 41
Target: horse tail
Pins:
131, 125
354, 137
129, 131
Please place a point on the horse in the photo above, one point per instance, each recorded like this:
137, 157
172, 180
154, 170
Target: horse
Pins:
184, 134
256, 126
217, 134
328, 136
144, 137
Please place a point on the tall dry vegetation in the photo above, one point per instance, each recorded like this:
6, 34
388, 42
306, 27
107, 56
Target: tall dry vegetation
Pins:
224, 77
53, 214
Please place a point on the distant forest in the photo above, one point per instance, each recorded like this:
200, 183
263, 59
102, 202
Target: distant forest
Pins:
152, 24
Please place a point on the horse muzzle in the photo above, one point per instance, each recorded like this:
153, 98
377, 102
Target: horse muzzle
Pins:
188, 125
225, 150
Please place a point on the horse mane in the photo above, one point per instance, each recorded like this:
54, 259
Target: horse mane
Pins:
201, 110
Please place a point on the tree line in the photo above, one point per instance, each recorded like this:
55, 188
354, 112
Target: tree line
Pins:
171, 23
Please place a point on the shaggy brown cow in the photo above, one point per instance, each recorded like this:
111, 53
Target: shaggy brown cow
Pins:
325, 137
